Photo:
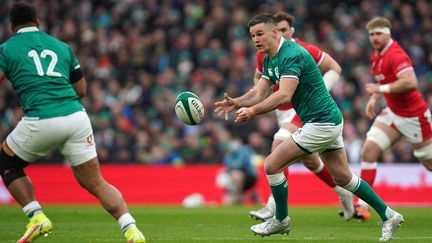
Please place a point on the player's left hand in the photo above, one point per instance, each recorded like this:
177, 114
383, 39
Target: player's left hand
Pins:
372, 88
244, 114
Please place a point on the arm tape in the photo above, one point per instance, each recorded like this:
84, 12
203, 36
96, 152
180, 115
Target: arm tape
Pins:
330, 78
75, 75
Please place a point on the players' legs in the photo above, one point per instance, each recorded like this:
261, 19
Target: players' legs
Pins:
284, 155
378, 140
89, 176
285, 131
423, 151
337, 163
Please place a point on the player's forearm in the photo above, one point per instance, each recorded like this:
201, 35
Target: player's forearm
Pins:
252, 97
271, 103
400, 86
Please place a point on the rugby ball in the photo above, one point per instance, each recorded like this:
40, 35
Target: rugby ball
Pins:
189, 108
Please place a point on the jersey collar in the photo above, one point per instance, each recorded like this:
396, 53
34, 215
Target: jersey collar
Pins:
386, 47
280, 43
28, 29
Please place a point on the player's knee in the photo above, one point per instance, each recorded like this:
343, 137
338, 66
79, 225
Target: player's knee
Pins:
283, 134
11, 167
377, 142
424, 154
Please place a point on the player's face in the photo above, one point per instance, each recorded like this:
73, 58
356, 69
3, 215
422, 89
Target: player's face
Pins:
263, 35
378, 40
285, 29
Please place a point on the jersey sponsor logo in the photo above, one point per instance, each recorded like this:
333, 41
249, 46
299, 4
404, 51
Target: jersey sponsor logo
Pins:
90, 141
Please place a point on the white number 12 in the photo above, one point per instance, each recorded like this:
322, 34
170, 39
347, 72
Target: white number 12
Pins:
50, 71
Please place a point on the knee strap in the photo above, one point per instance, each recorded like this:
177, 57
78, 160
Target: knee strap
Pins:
379, 137
11, 167
424, 153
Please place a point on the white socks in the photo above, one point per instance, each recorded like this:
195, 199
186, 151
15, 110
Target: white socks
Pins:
126, 221
32, 209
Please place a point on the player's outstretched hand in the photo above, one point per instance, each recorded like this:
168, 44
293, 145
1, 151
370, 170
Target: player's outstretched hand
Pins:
244, 114
225, 106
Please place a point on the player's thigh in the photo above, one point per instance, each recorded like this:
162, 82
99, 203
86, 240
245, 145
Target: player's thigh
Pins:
285, 154
285, 131
423, 151
33, 138
379, 138
88, 174
79, 146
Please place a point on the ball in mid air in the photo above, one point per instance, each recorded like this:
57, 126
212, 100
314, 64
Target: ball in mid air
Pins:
189, 108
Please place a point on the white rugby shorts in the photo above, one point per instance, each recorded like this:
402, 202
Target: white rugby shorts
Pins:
414, 129
72, 134
319, 137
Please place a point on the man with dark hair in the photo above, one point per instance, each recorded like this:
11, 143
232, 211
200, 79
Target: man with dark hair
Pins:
49, 82
300, 82
289, 121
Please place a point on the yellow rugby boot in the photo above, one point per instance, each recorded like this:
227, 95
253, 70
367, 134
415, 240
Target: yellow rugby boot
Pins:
133, 235
39, 225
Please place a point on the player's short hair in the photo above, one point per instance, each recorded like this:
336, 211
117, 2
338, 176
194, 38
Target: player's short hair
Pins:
22, 12
265, 18
378, 22
283, 16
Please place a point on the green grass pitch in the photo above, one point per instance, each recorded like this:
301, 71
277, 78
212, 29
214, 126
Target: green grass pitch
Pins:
211, 224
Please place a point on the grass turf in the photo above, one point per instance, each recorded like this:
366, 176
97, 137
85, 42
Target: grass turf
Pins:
214, 224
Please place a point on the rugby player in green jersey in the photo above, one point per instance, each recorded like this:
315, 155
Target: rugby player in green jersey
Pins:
48, 80
300, 82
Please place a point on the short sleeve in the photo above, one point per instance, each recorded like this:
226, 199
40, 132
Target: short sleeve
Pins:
74, 62
292, 66
399, 63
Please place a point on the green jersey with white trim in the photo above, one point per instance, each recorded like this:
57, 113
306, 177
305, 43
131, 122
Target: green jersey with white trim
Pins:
311, 100
38, 67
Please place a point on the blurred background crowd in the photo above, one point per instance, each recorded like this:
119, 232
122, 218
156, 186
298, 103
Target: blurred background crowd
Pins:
137, 55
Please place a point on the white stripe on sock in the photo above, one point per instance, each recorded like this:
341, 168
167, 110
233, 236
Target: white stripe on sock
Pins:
276, 179
354, 184
368, 165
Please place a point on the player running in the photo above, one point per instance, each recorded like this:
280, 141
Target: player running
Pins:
289, 122
406, 116
300, 82
49, 82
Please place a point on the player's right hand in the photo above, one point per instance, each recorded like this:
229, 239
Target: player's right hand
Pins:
370, 108
225, 106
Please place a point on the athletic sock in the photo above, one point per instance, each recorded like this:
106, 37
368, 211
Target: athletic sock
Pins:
31, 209
279, 188
368, 172
126, 221
324, 174
361, 189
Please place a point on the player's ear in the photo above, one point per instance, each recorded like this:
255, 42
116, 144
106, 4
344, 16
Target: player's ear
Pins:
274, 32
37, 23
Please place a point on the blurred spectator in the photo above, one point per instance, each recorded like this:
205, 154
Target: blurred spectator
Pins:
138, 55
239, 175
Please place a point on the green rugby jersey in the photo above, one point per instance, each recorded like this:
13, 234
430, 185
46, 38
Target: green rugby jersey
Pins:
38, 67
311, 100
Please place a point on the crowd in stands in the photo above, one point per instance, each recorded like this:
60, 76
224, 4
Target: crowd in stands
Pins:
137, 55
